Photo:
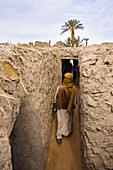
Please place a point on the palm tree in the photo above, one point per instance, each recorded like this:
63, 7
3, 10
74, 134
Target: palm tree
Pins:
71, 25
78, 42
86, 39
68, 42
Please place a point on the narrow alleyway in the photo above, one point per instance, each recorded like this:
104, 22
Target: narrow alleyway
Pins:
65, 156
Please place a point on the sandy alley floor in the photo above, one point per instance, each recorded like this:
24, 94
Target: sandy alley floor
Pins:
65, 156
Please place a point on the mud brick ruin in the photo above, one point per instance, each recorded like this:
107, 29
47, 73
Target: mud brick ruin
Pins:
29, 76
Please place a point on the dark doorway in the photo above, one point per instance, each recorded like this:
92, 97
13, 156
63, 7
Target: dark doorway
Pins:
72, 67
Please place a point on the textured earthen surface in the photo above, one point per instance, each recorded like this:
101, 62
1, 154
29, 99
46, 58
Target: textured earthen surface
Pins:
29, 76
29, 79
96, 106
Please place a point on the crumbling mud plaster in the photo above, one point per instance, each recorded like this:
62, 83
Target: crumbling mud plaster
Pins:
96, 106
29, 76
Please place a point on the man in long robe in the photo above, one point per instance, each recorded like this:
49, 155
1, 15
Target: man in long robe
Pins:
65, 101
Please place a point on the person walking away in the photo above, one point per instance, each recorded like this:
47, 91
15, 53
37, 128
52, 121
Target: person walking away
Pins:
65, 102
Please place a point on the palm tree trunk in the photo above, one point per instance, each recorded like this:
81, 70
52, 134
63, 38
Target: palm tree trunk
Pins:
86, 43
72, 37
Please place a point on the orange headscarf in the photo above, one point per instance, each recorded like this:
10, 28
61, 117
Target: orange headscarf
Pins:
67, 82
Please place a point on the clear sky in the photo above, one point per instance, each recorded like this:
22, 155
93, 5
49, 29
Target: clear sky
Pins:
41, 20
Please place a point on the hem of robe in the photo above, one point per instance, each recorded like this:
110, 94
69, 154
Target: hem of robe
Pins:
65, 123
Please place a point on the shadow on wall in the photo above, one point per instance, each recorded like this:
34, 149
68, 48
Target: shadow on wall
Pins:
25, 139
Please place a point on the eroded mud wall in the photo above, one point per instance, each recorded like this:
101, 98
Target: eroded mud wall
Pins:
29, 78
96, 106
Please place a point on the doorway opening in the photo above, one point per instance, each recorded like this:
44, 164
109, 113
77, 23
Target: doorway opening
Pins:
71, 144
71, 65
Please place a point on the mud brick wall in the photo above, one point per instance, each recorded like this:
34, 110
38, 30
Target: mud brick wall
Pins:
28, 81
96, 106
29, 77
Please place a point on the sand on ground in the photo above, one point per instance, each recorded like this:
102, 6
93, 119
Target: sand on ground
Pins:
65, 156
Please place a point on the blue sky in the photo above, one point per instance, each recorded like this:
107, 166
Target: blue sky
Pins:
41, 20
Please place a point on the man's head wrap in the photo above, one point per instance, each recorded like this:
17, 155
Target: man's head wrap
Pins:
67, 82
68, 76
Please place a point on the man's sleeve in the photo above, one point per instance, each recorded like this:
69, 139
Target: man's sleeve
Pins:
56, 94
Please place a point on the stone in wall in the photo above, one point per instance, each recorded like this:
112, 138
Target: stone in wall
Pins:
59, 44
41, 44
31, 44
96, 106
